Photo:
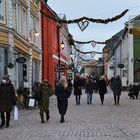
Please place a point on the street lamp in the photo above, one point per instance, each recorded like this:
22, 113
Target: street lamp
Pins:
62, 45
71, 56
32, 31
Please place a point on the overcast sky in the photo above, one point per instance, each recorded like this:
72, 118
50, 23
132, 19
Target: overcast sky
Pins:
102, 9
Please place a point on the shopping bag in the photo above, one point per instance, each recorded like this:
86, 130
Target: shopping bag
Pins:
15, 117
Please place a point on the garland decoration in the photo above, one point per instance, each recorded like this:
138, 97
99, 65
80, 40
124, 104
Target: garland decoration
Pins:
93, 42
92, 52
84, 59
103, 21
87, 64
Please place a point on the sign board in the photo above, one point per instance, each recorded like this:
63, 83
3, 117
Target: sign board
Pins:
120, 66
21, 60
61, 67
111, 67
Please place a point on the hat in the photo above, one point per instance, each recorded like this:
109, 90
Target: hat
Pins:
6, 77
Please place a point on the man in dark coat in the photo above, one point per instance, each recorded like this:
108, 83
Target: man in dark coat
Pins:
7, 100
45, 91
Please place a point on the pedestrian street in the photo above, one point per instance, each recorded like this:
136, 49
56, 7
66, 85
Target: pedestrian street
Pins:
82, 122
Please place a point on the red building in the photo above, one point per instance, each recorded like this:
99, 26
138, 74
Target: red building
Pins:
52, 36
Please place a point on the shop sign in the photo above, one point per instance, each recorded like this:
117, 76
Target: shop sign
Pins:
21, 60
120, 66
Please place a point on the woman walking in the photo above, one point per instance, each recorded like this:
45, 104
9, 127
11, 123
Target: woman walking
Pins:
63, 93
102, 88
116, 87
7, 100
89, 89
77, 89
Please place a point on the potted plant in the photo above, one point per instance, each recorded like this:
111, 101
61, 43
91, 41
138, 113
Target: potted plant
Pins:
10, 65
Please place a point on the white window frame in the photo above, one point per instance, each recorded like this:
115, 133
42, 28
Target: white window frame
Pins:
24, 21
18, 17
2, 10
13, 15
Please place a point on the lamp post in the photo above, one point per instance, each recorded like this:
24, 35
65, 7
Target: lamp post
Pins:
62, 45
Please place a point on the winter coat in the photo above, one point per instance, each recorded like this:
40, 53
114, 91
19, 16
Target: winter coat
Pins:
102, 87
116, 86
77, 87
89, 87
7, 97
45, 92
62, 98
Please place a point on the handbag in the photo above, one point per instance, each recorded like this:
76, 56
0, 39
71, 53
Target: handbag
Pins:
15, 113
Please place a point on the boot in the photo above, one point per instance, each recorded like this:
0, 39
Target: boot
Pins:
3, 120
42, 117
62, 119
7, 119
47, 115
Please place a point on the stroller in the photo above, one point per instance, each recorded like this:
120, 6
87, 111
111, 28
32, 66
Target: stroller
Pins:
133, 92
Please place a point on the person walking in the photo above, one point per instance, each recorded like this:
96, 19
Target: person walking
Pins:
43, 94
89, 89
7, 100
116, 88
62, 92
102, 87
77, 89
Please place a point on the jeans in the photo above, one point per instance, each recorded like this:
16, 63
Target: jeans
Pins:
89, 98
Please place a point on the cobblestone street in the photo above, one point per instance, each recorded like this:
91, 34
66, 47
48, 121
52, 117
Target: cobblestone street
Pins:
84, 122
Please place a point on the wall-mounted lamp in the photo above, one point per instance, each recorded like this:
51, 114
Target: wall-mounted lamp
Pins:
30, 34
62, 45
35, 32
72, 56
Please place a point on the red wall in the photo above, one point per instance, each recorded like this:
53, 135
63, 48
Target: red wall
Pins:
49, 46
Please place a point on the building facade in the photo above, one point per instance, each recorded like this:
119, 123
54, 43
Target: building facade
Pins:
54, 58
20, 49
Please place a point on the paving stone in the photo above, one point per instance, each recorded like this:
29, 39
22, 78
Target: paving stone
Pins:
82, 122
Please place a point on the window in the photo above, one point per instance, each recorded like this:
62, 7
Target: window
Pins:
24, 22
13, 14
2, 10
18, 17
3, 62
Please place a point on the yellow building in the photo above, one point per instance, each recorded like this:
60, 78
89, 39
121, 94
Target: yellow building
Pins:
20, 43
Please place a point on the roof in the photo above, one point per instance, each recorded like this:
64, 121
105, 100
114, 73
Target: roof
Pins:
115, 40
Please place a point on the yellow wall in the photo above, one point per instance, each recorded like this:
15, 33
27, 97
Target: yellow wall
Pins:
34, 9
3, 38
21, 45
36, 55
135, 31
